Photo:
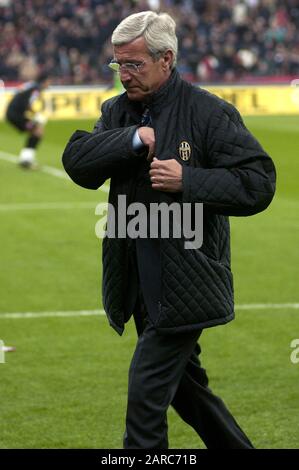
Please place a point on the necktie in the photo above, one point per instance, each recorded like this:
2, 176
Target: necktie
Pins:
146, 118
146, 121
143, 174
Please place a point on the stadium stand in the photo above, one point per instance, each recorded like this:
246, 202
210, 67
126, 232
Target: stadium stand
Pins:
220, 41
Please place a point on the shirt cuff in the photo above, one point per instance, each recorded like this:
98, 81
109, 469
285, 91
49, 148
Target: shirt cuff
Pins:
137, 142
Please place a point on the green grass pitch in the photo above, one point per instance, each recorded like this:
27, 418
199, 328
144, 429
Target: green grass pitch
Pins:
65, 386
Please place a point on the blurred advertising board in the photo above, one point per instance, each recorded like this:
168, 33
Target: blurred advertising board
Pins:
85, 102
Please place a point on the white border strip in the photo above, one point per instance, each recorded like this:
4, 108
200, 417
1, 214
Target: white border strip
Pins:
50, 170
89, 313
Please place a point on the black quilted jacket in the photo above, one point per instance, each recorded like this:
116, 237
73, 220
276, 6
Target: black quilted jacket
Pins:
228, 171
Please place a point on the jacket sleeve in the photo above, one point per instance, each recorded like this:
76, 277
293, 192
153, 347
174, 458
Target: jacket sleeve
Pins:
240, 177
90, 158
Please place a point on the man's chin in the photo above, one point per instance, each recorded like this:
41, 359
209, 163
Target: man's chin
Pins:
135, 94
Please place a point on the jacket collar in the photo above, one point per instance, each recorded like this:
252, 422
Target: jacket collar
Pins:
166, 94
160, 99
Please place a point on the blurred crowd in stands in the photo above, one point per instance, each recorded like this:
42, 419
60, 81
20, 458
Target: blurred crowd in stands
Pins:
219, 40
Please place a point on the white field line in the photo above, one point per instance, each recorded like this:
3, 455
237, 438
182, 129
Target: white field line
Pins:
89, 313
47, 206
72, 313
50, 170
266, 306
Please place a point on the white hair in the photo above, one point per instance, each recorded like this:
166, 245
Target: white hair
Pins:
158, 30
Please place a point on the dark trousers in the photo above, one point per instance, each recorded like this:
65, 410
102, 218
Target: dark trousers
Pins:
165, 370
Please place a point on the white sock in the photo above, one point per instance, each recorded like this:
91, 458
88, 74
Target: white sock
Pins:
27, 156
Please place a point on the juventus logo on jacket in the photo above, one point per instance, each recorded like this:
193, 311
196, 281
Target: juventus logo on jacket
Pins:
185, 151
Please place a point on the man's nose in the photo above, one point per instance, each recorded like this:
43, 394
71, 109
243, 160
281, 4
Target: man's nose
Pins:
125, 76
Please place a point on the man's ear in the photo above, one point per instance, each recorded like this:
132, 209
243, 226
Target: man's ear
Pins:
167, 60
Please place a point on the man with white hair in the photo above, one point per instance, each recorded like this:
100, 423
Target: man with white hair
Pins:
165, 141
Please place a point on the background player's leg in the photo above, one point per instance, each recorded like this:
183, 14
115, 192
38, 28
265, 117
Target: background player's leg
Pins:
27, 157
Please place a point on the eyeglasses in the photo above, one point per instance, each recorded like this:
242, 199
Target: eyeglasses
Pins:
126, 67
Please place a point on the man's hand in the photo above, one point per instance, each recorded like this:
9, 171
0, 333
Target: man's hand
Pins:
166, 175
147, 135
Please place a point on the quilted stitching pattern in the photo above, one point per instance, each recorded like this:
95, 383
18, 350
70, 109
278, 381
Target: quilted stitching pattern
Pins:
196, 289
240, 179
229, 172
113, 280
